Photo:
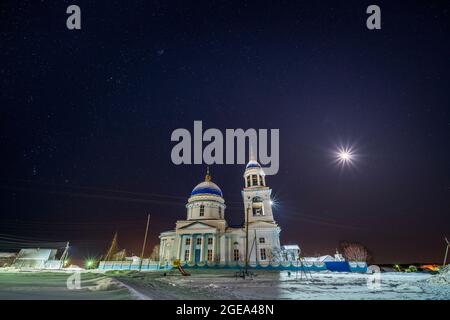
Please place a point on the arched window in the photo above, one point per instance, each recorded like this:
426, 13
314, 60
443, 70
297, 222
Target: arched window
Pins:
257, 206
236, 254
263, 254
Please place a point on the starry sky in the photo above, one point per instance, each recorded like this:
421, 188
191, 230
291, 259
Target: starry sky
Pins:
86, 118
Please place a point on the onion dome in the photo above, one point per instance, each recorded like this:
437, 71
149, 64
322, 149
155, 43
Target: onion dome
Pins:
207, 187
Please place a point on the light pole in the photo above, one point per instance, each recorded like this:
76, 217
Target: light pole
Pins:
64, 256
143, 245
246, 241
446, 251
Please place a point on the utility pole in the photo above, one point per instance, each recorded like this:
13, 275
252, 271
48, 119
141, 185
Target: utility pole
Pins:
145, 241
246, 241
255, 241
446, 251
64, 256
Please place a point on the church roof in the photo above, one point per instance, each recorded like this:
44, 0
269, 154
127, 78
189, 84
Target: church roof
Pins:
207, 187
253, 164
197, 222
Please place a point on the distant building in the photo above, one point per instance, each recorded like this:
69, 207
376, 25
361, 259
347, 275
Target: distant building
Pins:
37, 258
325, 258
290, 252
134, 259
7, 259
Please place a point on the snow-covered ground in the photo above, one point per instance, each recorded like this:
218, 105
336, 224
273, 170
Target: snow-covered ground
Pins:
53, 286
222, 284
321, 285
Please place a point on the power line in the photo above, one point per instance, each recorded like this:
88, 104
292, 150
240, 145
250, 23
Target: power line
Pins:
101, 189
94, 196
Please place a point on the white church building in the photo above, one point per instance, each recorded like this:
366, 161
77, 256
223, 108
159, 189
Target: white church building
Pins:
205, 238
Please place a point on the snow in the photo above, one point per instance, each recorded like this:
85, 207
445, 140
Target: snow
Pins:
442, 278
53, 286
214, 284
222, 284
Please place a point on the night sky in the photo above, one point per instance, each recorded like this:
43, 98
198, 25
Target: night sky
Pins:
86, 118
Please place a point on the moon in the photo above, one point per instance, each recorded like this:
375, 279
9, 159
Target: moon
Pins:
345, 156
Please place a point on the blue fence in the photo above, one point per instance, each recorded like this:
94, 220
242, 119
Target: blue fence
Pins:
129, 265
335, 266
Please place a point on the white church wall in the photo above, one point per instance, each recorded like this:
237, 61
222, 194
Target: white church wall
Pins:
211, 223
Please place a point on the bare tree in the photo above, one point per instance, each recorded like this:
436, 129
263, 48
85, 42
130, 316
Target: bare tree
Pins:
155, 253
353, 251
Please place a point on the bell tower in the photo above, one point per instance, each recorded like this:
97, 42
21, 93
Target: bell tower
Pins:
256, 194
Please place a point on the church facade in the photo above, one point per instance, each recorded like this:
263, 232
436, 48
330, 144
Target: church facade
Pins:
205, 238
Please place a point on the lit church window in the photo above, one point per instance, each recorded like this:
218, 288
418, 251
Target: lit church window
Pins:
263, 254
209, 255
257, 211
257, 206
236, 254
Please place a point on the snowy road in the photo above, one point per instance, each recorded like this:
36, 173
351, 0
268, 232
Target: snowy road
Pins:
53, 286
221, 284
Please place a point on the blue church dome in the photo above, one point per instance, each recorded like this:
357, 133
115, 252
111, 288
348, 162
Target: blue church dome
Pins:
253, 164
207, 187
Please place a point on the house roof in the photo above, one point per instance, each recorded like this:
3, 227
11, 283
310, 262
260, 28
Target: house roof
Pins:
37, 254
7, 254
319, 259
290, 247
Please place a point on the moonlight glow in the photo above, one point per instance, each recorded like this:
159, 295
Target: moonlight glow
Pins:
345, 156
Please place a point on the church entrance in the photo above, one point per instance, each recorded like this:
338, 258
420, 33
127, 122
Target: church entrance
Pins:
197, 255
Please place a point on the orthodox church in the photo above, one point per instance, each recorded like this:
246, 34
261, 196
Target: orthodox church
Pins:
205, 238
